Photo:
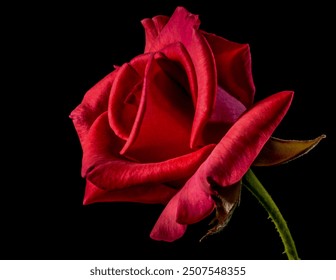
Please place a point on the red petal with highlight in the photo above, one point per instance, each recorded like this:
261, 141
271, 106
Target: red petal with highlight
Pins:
192, 203
233, 156
106, 169
166, 228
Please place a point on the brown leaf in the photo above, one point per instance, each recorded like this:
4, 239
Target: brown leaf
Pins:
226, 200
279, 151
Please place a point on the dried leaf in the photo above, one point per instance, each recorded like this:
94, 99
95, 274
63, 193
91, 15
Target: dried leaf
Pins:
226, 200
279, 151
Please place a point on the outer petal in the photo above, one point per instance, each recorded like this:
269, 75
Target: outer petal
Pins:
232, 157
106, 169
150, 193
279, 151
234, 70
166, 228
101, 145
195, 199
193, 202
93, 105
225, 166
183, 27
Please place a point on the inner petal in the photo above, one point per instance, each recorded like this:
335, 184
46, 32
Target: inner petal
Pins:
163, 124
183, 27
226, 112
125, 95
178, 53
233, 62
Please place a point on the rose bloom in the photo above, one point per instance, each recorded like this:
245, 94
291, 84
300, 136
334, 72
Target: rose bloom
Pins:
177, 125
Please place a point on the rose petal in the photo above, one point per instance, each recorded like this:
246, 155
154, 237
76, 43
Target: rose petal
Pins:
93, 105
192, 203
227, 108
125, 94
153, 28
166, 228
232, 157
279, 151
177, 53
118, 174
164, 117
106, 169
149, 193
101, 145
234, 70
226, 112
225, 166
195, 200
183, 27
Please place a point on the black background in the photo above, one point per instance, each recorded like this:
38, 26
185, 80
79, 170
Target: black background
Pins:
57, 52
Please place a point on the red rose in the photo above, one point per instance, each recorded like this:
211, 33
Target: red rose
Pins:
176, 125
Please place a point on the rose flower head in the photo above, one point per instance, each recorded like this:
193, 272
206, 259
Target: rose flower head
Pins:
177, 125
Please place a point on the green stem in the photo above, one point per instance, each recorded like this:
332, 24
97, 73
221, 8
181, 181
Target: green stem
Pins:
257, 189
